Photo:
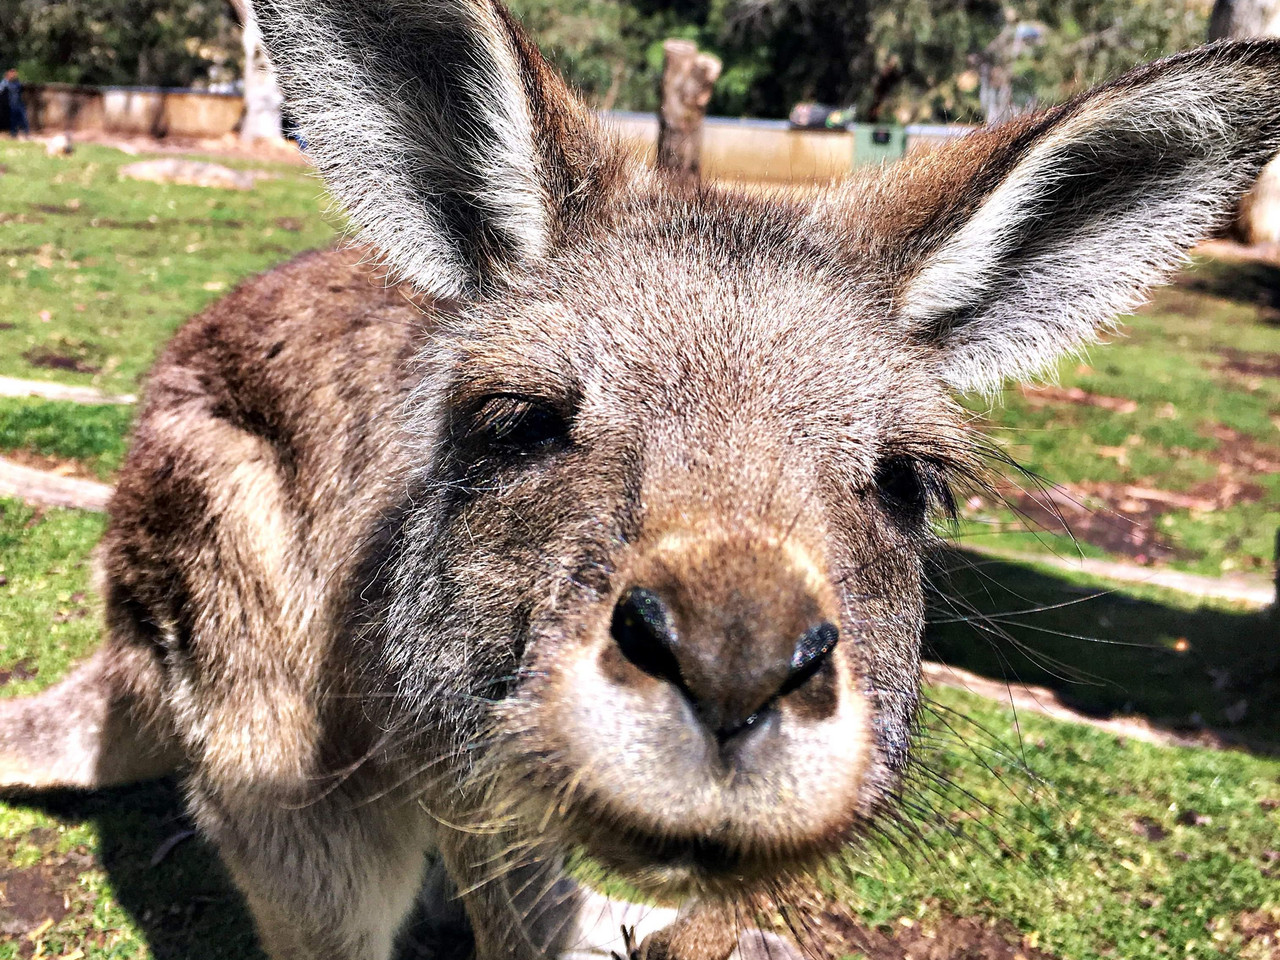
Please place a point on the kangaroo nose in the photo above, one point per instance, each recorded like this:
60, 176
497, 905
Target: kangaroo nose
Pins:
730, 681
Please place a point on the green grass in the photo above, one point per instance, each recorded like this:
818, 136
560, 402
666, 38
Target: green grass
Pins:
1172, 360
49, 612
96, 272
1089, 845
92, 436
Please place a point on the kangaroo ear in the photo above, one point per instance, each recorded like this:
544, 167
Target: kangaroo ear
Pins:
1021, 243
453, 145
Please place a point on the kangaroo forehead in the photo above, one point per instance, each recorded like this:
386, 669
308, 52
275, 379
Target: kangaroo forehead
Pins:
659, 323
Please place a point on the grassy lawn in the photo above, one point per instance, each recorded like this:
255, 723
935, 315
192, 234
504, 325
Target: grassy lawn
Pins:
1171, 433
96, 272
89, 439
1071, 842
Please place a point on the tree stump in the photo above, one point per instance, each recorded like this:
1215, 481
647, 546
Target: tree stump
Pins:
687, 79
263, 101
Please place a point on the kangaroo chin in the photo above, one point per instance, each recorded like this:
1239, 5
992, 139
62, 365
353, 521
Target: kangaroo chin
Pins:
592, 521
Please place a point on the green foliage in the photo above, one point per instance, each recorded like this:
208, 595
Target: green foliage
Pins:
1087, 42
903, 59
148, 42
907, 59
917, 59
601, 46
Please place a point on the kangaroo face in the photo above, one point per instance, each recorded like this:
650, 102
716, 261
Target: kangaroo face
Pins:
683, 478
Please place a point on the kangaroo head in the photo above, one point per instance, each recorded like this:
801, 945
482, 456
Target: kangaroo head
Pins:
659, 571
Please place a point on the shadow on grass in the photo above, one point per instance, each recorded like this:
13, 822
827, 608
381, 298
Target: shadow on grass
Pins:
181, 900
1183, 668
1245, 282
170, 882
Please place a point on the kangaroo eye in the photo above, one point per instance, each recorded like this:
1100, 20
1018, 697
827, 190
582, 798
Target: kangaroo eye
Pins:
520, 424
909, 487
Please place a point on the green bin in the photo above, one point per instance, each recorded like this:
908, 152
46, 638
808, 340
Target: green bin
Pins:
878, 143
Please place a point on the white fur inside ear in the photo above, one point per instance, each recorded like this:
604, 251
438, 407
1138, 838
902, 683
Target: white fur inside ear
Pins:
1001, 306
382, 147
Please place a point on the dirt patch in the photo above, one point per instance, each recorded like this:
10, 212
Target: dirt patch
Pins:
1124, 518
1044, 396
107, 223
1250, 364
1242, 454
5, 325
22, 670
77, 358
31, 897
1259, 933
34, 898
1119, 518
291, 224
936, 937
58, 466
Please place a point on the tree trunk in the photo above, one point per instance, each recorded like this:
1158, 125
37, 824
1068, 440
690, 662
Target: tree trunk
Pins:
1258, 217
687, 79
263, 101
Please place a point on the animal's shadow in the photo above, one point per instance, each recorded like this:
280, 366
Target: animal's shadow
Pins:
169, 880
171, 883
1245, 282
184, 905
1186, 668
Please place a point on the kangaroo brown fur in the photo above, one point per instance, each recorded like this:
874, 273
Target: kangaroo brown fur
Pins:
594, 520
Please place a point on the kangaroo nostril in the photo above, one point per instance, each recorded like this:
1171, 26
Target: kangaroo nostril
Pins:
644, 633
810, 654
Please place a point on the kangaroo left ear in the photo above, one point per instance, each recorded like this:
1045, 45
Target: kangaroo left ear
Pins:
453, 145
1021, 243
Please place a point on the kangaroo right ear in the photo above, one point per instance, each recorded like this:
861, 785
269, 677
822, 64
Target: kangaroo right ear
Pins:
439, 126
1021, 243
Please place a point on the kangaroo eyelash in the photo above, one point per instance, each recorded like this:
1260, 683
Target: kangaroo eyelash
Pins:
914, 486
518, 423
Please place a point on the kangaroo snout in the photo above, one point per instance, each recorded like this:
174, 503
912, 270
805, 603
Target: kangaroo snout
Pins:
708, 703
734, 646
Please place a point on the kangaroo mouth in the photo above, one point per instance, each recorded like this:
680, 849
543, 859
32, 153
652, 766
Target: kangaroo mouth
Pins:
725, 862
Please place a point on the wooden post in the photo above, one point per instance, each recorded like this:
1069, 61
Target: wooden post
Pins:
687, 79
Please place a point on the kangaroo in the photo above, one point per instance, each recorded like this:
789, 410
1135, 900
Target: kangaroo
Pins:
591, 522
